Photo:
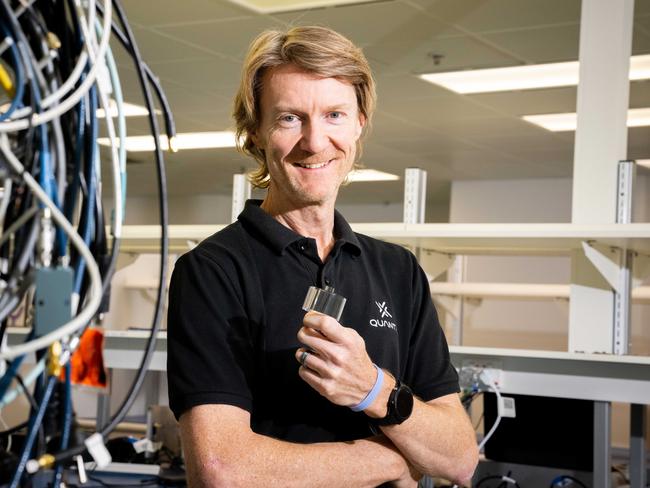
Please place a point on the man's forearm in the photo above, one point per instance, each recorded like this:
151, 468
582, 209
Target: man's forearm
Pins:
253, 460
438, 440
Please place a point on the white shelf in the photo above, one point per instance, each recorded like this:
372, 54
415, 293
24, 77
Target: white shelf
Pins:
540, 239
516, 290
597, 377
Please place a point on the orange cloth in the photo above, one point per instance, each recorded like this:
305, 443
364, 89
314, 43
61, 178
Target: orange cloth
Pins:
88, 361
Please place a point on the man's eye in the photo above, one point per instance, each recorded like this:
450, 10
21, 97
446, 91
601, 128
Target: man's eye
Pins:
289, 118
336, 115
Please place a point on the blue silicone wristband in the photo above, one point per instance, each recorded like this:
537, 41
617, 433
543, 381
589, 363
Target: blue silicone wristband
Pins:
372, 394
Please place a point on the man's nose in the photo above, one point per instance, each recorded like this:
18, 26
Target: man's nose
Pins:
315, 138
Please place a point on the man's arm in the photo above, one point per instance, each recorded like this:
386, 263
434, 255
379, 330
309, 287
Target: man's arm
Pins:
221, 450
437, 439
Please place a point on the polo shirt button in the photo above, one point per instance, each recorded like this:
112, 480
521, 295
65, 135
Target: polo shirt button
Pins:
302, 247
328, 281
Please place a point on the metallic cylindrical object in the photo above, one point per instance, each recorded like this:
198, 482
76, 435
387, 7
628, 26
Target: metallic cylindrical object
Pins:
324, 301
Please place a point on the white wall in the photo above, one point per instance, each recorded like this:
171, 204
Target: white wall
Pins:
193, 209
509, 323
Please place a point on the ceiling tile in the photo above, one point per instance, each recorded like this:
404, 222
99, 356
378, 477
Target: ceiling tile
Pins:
229, 38
156, 48
640, 94
526, 102
209, 75
172, 12
540, 44
405, 86
383, 22
491, 15
436, 112
414, 56
638, 142
641, 37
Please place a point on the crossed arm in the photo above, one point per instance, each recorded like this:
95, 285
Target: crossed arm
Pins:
438, 439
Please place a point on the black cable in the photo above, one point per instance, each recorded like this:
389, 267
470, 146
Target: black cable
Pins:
164, 222
164, 242
15, 429
170, 125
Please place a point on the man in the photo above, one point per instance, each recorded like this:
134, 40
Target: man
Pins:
267, 395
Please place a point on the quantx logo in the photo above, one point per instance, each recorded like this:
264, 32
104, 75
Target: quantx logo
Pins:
385, 314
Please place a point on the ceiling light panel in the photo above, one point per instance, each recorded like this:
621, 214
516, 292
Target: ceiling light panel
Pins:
643, 162
636, 117
524, 77
129, 109
277, 6
186, 140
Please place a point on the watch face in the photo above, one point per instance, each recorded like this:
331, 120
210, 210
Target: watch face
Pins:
404, 403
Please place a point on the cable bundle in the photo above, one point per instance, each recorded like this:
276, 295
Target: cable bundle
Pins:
54, 58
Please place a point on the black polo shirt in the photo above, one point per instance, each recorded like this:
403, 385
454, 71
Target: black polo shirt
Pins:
235, 309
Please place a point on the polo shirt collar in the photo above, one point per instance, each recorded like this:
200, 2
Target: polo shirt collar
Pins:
279, 237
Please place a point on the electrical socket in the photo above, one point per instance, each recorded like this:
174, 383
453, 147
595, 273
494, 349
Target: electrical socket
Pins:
472, 369
507, 407
494, 374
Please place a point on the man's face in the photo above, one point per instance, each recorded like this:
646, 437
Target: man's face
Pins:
308, 130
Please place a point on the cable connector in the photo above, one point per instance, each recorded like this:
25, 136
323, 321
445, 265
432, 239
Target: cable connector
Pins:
173, 144
490, 377
46, 238
54, 364
45, 461
53, 41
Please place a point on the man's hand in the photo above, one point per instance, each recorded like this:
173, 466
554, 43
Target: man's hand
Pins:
337, 365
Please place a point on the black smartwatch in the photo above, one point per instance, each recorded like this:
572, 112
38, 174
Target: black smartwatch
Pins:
400, 405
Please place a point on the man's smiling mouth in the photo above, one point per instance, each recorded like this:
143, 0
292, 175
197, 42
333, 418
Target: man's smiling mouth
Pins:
313, 165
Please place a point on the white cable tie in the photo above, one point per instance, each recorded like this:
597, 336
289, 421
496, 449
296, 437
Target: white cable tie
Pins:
32, 466
81, 470
97, 450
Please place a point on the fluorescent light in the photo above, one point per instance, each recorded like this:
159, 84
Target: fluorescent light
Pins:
130, 110
276, 6
370, 175
636, 117
524, 77
643, 162
187, 140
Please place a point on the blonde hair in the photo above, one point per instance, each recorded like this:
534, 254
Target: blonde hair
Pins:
317, 50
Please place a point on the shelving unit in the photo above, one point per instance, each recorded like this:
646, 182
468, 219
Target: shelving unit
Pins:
504, 239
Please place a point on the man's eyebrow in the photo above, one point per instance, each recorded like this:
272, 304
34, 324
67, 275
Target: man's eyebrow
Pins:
331, 108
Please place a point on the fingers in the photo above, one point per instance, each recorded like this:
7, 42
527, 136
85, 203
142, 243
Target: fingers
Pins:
326, 325
310, 360
314, 340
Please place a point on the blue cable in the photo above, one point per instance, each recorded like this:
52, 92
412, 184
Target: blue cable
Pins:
6, 379
20, 77
34, 424
73, 188
86, 226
